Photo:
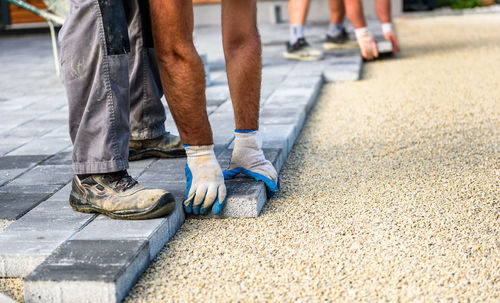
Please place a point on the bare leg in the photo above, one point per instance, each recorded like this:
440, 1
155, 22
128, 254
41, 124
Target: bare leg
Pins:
297, 9
337, 11
383, 10
181, 69
242, 50
354, 10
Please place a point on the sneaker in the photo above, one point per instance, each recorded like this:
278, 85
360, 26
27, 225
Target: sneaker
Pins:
301, 50
165, 146
338, 42
119, 196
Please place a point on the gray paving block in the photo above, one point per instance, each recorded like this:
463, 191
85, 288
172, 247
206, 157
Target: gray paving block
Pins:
62, 158
15, 204
136, 168
88, 271
164, 171
156, 231
6, 299
245, 199
344, 69
217, 94
281, 136
384, 47
7, 175
15, 162
43, 146
30, 189
46, 174
32, 238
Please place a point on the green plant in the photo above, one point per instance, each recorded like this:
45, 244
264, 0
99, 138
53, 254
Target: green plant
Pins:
461, 4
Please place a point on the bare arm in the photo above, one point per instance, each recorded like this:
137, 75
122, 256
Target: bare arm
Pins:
181, 69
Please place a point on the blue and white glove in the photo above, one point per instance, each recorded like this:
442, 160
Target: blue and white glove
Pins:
205, 182
248, 159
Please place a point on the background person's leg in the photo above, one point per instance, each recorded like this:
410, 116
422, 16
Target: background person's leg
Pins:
94, 45
337, 11
297, 47
147, 114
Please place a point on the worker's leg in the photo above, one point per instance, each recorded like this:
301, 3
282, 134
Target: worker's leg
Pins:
148, 137
242, 51
183, 79
147, 115
94, 46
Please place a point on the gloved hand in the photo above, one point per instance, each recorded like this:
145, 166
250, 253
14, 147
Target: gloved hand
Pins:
205, 182
367, 43
248, 159
390, 35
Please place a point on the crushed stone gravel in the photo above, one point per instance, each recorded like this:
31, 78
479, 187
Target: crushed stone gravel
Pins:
391, 193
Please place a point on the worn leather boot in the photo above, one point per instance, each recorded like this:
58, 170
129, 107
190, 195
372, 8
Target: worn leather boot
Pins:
119, 196
165, 146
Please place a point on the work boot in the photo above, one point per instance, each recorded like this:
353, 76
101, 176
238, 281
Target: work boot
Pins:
119, 196
165, 146
339, 41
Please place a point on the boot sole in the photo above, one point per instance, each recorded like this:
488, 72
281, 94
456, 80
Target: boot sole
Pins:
155, 153
165, 206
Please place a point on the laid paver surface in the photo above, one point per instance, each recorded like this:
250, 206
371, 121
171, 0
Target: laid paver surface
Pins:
391, 192
35, 163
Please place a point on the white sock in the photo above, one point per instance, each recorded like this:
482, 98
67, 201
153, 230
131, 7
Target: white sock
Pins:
335, 29
296, 32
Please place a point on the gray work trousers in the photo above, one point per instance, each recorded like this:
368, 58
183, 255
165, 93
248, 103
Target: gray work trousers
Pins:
111, 77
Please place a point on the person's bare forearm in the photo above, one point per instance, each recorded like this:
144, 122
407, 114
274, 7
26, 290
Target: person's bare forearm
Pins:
181, 69
243, 53
354, 10
383, 10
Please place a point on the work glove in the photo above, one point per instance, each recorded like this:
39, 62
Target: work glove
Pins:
248, 159
367, 43
205, 182
390, 35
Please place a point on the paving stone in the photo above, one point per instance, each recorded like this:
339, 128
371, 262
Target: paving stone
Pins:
344, 69
15, 204
46, 174
217, 94
6, 299
7, 175
88, 271
16, 162
30, 189
62, 158
37, 128
164, 171
43, 146
245, 199
136, 168
33, 237
281, 136
384, 47
156, 231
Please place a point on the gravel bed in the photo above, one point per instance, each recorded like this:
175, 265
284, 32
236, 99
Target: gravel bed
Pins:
390, 193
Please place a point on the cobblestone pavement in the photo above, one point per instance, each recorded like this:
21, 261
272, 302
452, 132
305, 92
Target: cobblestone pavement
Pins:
391, 192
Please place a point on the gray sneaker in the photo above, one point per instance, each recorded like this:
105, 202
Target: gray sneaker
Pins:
165, 146
119, 196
